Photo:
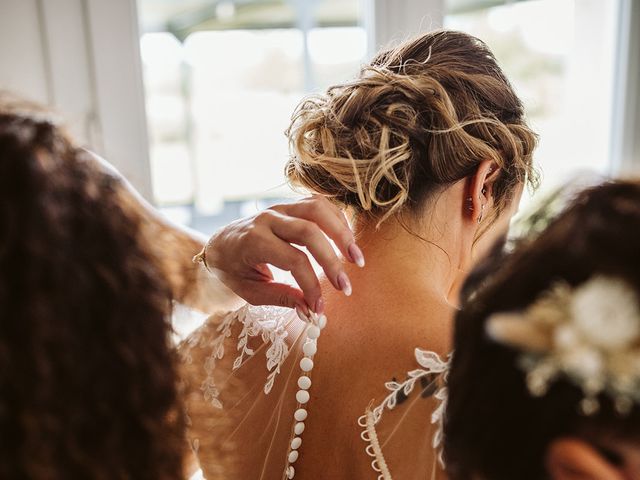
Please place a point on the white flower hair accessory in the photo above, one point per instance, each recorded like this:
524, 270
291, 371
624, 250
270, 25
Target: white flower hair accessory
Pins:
589, 334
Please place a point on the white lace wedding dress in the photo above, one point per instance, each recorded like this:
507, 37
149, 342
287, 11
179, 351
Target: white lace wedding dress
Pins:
258, 409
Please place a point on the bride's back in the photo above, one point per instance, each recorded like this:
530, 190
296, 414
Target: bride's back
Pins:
428, 148
362, 348
369, 341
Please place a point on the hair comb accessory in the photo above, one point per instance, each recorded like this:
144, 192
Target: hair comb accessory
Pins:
589, 335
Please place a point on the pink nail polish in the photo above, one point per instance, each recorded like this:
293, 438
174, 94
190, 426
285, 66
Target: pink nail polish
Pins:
319, 308
356, 255
344, 283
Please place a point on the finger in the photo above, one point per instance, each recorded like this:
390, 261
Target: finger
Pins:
264, 271
282, 255
331, 221
306, 207
273, 293
309, 235
332, 207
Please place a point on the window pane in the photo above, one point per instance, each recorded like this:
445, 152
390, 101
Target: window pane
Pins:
559, 55
222, 80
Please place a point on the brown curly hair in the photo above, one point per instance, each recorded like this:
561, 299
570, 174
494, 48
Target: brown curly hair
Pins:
87, 373
494, 428
418, 117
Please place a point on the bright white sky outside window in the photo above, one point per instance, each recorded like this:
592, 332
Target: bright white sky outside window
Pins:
243, 86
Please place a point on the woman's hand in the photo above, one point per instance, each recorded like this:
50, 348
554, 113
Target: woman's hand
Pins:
241, 253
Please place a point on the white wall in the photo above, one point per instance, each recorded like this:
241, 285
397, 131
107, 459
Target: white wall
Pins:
81, 57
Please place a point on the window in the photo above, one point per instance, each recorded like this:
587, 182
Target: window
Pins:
222, 79
560, 57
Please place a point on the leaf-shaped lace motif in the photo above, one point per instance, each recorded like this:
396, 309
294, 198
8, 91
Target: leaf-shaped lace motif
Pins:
431, 363
208, 387
267, 322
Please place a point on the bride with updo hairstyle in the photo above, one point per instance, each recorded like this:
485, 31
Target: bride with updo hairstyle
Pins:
418, 119
428, 150
545, 379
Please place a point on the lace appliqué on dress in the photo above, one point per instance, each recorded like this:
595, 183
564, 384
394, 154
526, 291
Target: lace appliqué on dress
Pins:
431, 364
267, 322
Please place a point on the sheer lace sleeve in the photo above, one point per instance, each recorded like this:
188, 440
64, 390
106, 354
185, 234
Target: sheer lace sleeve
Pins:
236, 370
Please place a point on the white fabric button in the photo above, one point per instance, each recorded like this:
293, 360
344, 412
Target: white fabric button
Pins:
306, 364
322, 321
310, 349
299, 428
295, 443
304, 382
302, 396
300, 415
291, 472
293, 456
313, 332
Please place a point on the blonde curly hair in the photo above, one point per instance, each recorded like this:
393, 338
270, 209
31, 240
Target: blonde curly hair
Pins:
418, 117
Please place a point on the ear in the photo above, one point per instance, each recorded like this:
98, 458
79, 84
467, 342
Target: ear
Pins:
574, 459
479, 193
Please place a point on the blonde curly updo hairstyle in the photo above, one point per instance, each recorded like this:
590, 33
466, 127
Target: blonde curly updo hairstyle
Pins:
417, 118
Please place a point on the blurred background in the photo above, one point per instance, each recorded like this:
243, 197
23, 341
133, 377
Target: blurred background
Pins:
190, 98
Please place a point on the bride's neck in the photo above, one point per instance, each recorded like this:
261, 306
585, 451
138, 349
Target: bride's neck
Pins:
409, 262
403, 293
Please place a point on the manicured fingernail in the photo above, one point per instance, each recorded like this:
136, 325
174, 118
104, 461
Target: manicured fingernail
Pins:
344, 283
319, 309
356, 255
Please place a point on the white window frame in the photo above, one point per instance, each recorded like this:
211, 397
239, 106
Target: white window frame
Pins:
114, 48
82, 58
625, 145
88, 66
